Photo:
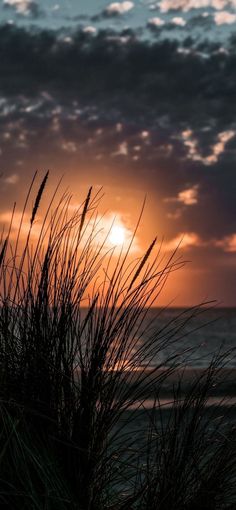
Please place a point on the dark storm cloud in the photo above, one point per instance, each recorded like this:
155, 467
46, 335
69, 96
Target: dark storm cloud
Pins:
112, 99
137, 78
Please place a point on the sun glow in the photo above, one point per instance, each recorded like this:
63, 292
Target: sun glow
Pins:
117, 235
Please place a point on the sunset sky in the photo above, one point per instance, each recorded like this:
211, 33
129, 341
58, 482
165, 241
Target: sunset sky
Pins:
138, 97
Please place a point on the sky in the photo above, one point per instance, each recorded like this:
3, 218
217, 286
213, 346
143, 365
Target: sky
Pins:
138, 97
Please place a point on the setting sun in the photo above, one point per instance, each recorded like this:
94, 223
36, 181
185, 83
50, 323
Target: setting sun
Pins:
117, 235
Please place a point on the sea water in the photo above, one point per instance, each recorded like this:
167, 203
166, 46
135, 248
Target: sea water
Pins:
195, 337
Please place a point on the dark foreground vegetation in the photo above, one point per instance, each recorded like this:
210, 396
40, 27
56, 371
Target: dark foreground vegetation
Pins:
73, 371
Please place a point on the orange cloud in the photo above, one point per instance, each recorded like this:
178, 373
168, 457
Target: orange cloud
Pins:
6, 219
217, 149
228, 243
184, 240
191, 239
11, 179
188, 196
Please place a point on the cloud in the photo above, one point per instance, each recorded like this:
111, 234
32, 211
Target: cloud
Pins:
23, 7
7, 218
118, 8
161, 120
217, 149
131, 77
187, 5
224, 18
89, 29
176, 215
122, 150
69, 146
155, 22
178, 21
230, 243
11, 179
188, 196
192, 239
184, 241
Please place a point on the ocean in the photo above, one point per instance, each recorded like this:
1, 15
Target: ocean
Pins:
189, 340
168, 412
199, 336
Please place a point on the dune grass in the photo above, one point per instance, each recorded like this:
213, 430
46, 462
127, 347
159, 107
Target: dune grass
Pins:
72, 365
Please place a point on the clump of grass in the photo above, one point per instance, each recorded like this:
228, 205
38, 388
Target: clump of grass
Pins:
188, 460
30, 476
72, 372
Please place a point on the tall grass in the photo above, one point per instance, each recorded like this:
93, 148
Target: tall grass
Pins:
72, 365
189, 455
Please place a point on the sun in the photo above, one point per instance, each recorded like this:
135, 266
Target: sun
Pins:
117, 235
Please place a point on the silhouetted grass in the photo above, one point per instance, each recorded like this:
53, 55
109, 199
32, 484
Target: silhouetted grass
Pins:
72, 365
30, 476
188, 458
